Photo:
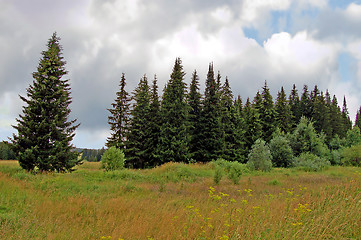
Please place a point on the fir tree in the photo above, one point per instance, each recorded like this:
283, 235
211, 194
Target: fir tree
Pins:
239, 105
119, 118
336, 124
252, 125
294, 103
139, 137
283, 112
320, 114
267, 114
305, 103
174, 138
347, 123
44, 129
232, 125
154, 124
195, 109
212, 138
358, 119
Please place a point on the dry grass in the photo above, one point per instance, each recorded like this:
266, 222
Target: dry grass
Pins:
151, 204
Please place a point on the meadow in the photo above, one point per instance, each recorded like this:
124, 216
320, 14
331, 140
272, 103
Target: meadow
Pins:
178, 201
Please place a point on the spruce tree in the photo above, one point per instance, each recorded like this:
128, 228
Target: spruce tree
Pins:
211, 138
336, 123
267, 114
252, 125
283, 112
174, 138
154, 124
305, 103
195, 109
294, 103
232, 125
139, 137
119, 118
347, 123
44, 129
358, 118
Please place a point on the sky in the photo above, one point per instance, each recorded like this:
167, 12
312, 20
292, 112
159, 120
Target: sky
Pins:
285, 42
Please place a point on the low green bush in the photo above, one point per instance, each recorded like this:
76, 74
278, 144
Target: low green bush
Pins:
310, 162
352, 156
260, 157
113, 159
233, 170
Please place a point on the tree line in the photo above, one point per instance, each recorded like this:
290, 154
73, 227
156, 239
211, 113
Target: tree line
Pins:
184, 125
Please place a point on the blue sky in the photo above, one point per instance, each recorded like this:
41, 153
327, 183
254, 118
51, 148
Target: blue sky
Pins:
284, 41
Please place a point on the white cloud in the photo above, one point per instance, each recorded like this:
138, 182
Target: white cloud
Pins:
300, 53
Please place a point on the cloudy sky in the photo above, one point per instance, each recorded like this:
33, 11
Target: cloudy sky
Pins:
250, 41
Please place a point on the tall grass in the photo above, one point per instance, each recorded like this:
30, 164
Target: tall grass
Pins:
178, 201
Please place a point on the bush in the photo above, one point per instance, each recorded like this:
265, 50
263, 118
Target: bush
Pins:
113, 159
282, 154
311, 163
234, 170
352, 156
260, 157
305, 139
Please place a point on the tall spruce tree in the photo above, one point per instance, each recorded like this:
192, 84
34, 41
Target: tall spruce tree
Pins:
174, 138
232, 125
305, 103
252, 125
44, 129
347, 123
283, 112
119, 117
139, 137
294, 103
154, 124
358, 118
195, 109
211, 138
267, 114
336, 119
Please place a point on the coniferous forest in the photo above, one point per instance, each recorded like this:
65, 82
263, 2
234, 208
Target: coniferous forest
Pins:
187, 125
183, 124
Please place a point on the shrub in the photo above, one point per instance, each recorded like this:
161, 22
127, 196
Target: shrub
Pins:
309, 162
352, 156
282, 154
234, 170
260, 157
113, 159
305, 139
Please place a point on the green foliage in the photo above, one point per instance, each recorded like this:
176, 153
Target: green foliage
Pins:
305, 139
353, 137
119, 118
260, 157
252, 125
352, 156
6, 152
44, 134
211, 138
309, 162
113, 159
139, 136
283, 112
233, 170
294, 103
282, 154
267, 114
174, 138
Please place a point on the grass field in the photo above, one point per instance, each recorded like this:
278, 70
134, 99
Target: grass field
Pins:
177, 201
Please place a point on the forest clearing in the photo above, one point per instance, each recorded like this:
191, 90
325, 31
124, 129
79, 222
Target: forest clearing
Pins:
179, 201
